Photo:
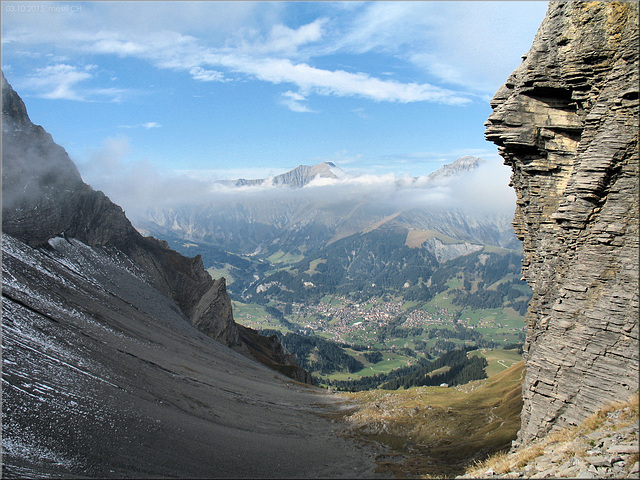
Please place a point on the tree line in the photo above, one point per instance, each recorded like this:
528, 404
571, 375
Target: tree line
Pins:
462, 369
317, 354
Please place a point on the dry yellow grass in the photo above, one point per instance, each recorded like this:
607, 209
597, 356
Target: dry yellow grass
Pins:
502, 463
596, 420
439, 431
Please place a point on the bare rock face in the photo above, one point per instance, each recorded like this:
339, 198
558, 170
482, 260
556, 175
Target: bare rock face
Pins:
298, 177
566, 121
213, 305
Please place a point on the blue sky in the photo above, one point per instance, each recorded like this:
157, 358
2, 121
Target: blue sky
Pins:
247, 89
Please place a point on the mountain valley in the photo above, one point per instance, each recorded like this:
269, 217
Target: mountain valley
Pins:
121, 357
400, 285
322, 324
118, 349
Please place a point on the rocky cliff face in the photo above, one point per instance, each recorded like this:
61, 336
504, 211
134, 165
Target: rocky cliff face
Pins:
43, 197
566, 121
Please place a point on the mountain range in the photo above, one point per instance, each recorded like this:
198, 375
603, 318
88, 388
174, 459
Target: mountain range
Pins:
323, 205
303, 175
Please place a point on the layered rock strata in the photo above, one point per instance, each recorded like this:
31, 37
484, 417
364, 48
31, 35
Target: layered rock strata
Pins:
566, 122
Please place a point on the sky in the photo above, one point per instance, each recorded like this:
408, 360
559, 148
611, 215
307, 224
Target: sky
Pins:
251, 89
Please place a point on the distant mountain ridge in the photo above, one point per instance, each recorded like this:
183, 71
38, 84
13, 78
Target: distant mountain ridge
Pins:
295, 220
302, 175
459, 166
298, 177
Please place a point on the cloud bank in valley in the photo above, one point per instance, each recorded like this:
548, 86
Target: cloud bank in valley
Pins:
138, 186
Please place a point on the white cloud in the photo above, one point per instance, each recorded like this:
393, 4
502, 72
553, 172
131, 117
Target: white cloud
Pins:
107, 158
180, 52
292, 101
59, 81
283, 40
202, 75
341, 83
470, 44
212, 175
271, 58
136, 184
480, 43
468, 48
66, 82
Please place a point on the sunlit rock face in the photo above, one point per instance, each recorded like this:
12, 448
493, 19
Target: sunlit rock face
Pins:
566, 122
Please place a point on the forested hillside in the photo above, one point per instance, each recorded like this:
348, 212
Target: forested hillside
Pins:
380, 263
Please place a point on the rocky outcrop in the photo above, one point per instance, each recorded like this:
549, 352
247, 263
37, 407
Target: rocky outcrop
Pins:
604, 446
269, 351
215, 302
449, 251
566, 122
43, 197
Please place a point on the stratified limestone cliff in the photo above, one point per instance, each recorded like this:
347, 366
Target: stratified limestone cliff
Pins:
566, 121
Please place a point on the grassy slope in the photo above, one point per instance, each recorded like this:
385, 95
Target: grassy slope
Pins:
415, 238
570, 443
498, 360
436, 431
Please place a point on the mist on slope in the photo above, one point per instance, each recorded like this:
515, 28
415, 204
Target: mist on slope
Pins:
139, 186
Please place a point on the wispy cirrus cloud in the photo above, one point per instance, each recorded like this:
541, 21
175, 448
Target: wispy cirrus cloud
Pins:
468, 44
203, 75
185, 53
67, 82
272, 53
292, 101
60, 81
341, 83
283, 40
458, 52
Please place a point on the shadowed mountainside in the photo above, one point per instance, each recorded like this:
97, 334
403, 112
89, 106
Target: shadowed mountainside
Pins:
44, 196
104, 377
